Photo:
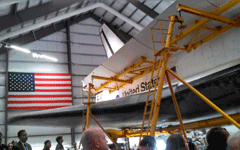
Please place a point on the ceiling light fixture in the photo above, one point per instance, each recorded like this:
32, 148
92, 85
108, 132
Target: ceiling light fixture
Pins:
35, 55
18, 48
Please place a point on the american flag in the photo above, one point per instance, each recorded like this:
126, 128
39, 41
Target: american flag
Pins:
39, 90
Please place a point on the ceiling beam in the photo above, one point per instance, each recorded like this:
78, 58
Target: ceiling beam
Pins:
38, 34
120, 34
153, 14
34, 12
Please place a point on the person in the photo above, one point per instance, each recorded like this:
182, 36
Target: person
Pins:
10, 146
59, 140
233, 142
147, 143
176, 142
94, 139
14, 143
217, 138
22, 144
47, 145
2, 146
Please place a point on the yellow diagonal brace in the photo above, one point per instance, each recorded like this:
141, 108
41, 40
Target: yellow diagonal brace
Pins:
205, 99
205, 20
112, 79
206, 39
207, 15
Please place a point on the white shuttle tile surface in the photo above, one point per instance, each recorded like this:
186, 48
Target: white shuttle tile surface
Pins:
2, 91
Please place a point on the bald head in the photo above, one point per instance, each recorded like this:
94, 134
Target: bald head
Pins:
234, 142
94, 139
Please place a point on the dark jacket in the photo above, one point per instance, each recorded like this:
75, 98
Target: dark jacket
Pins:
59, 147
20, 146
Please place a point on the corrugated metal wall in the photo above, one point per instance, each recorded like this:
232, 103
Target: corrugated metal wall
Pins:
87, 53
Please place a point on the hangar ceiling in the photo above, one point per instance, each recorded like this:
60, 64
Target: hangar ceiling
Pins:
40, 18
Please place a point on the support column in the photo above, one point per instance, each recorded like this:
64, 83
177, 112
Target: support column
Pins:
6, 96
127, 145
69, 53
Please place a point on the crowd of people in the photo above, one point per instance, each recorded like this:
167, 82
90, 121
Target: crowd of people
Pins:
23, 145
94, 139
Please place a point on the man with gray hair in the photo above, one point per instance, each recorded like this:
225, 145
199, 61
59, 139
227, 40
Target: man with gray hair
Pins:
94, 139
234, 142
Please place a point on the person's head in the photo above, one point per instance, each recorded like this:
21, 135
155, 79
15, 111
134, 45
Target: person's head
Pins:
147, 143
59, 139
233, 142
22, 135
217, 138
176, 142
14, 142
47, 144
94, 139
10, 146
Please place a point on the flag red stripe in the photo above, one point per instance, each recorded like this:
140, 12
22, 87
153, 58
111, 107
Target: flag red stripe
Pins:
52, 85
30, 102
39, 96
36, 107
52, 74
53, 90
43, 79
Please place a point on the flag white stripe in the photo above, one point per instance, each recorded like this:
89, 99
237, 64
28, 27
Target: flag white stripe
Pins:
52, 82
61, 87
39, 99
39, 104
53, 77
39, 93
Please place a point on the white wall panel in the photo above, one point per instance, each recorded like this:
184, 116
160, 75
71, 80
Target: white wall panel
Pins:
77, 91
15, 55
2, 79
2, 56
77, 101
58, 36
76, 80
2, 66
37, 67
78, 28
85, 39
88, 49
2, 103
2, 129
2, 117
47, 46
94, 60
2, 91
82, 70
90, 21
35, 130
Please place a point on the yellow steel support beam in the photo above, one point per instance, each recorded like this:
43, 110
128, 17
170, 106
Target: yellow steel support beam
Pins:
143, 59
207, 15
205, 20
164, 57
129, 133
189, 48
210, 29
112, 79
204, 98
114, 141
204, 123
138, 76
176, 106
140, 69
213, 35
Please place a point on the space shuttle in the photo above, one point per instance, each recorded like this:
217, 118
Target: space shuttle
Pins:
205, 54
